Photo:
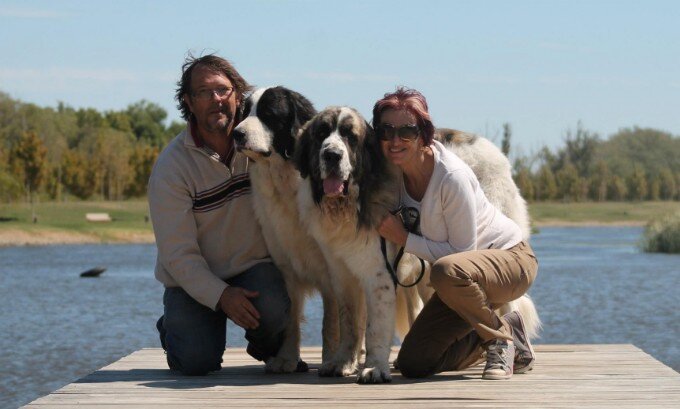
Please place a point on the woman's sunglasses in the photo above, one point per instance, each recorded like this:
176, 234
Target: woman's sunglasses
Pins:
406, 133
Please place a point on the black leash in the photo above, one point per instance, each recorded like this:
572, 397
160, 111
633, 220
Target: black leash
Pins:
410, 227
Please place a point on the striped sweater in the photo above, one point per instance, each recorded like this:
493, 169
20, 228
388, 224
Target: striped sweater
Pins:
203, 219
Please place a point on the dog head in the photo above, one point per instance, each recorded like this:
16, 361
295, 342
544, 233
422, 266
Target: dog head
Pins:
272, 119
340, 155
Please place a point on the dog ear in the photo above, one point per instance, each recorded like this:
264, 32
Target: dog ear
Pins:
303, 111
302, 146
372, 167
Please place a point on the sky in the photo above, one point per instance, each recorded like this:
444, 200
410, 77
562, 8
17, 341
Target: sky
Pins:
541, 66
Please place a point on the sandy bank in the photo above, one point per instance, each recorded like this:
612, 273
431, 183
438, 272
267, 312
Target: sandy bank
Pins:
16, 237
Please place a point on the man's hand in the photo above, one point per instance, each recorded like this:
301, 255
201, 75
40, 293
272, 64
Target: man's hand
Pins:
235, 302
392, 229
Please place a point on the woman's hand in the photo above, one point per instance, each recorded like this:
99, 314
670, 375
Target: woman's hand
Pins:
392, 229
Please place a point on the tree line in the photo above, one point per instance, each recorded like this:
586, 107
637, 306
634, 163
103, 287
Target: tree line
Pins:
633, 164
61, 153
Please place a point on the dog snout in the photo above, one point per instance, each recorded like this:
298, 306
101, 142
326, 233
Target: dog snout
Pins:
332, 157
239, 136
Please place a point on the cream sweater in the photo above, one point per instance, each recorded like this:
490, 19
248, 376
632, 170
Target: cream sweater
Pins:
455, 215
203, 219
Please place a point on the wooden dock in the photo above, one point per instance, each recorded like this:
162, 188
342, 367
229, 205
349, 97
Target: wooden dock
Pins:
565, 376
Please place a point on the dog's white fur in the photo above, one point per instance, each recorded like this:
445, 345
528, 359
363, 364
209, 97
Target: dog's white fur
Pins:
275, 183
354, 257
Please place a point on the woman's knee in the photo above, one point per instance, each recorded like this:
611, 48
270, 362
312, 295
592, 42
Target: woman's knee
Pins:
447, 274
412, 364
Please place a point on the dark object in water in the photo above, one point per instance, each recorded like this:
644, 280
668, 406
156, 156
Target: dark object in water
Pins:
93, 272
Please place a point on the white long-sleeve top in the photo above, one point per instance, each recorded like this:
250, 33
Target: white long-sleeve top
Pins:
455, 215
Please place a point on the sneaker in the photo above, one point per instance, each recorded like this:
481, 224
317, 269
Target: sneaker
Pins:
524, 352
500, 355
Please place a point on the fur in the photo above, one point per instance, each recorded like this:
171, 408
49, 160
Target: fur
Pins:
267, 136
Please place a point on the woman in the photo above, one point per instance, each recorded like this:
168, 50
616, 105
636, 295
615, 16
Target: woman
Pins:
480, 260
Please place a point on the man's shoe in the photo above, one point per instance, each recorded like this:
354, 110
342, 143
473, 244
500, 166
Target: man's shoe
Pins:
524, 352
500, 355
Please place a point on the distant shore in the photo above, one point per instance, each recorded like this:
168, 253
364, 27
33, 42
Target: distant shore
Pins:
65, 222
15, 237
37, 237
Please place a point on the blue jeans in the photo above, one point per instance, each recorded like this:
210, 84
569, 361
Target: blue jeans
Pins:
194, 336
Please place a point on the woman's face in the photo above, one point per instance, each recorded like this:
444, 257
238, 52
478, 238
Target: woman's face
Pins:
404, 146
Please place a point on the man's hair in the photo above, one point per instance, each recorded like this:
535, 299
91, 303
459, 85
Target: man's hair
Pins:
213, 63
412, 101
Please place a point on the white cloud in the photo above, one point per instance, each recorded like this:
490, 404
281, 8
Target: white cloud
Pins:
31, 13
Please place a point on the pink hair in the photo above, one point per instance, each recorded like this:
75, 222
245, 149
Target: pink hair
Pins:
412, 101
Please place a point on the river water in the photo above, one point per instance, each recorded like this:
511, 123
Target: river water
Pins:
594, 286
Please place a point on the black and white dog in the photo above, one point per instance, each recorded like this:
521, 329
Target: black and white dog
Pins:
267, 135
348, 189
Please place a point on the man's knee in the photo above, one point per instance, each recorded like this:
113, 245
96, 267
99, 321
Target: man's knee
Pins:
274, 312
195, 362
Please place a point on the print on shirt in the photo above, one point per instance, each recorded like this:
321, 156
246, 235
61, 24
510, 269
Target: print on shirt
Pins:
215, 197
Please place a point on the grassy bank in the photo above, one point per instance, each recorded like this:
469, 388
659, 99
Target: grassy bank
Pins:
590, 213
65, 222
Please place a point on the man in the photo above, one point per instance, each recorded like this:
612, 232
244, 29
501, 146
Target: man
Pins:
212, 257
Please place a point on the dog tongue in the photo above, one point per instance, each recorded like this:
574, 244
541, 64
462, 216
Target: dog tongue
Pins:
333, 186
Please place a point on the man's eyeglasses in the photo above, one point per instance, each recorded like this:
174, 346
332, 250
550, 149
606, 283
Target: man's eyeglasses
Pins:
207, 94
407, 133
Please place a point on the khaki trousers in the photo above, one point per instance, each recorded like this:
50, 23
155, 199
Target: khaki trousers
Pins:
451, 330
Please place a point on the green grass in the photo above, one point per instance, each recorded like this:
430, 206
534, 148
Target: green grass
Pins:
604, 212
663, 235
129, 216
69, 217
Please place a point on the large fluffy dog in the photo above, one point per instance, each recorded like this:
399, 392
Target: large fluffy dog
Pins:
348, 190
267, 135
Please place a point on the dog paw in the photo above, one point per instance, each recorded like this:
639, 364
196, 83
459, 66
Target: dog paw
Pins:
374, 375
280, 364
337, 368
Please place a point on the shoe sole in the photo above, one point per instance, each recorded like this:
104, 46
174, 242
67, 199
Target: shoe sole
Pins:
496, 377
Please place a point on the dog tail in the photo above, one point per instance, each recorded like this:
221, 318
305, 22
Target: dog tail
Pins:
527, 308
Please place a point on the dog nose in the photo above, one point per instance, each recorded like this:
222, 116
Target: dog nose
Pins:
239, 136
331, 157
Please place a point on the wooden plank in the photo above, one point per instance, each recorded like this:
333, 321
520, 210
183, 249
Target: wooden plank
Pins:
565, 376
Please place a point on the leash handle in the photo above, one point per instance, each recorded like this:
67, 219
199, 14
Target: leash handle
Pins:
383, 247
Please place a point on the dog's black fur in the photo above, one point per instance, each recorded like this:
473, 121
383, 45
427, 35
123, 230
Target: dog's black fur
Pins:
369, 167
284, 112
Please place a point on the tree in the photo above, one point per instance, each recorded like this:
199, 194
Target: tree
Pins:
10, 186
568, 182
637, 184
545, 186
146, 119
28, 157
668, 188
600, 181
507, 134
142, 160
78, 176
618, 189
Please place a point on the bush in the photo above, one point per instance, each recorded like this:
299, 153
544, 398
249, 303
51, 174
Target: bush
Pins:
663, 235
